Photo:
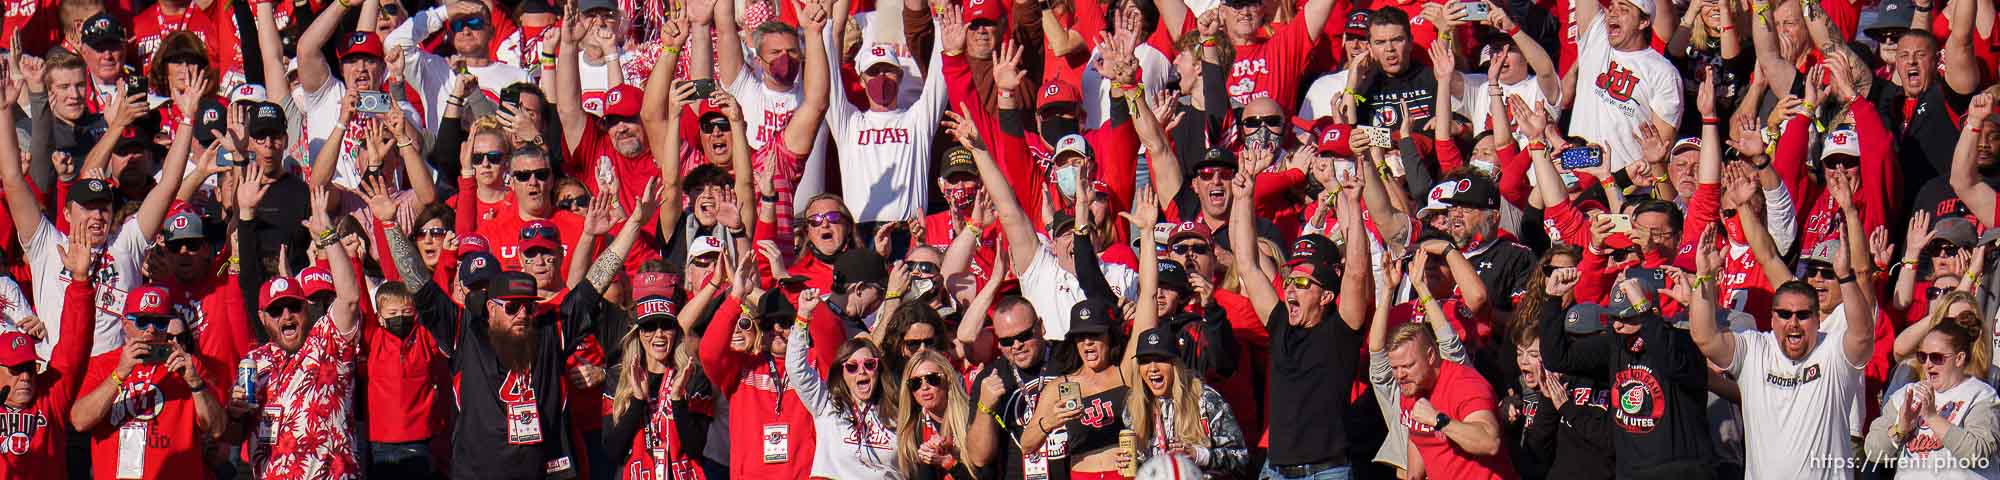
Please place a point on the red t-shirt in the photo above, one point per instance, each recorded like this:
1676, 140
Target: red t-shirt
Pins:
503, 234
31, 440
152, 25
1271, 67
1460, 391
153, 404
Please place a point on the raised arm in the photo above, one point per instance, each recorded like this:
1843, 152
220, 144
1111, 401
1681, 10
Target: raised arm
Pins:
1715, 343
1965, 177
1256, 282
314, 71
1775, 68
1022, 242
569, 83
660, 120
1962, 70
271, 48
1546, 76
1852, 271
153, 209
729, 43
346, 292
802, 131
23, 209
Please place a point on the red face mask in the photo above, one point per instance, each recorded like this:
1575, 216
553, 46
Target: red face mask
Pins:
881, 90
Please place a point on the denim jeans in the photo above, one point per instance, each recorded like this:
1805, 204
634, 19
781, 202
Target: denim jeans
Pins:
400, 460
1343, 472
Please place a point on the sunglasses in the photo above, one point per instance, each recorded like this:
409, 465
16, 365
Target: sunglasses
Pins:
1819, 271
484, 158
1842, 162
654, 326
1017, 339
542, 174
1300, 282
1932, 293
157, 324
913, 345
433, 232
467, 23
1213, 173
513, 307
1270, 121
861, 365
277, 310
824, 218
579, 201
1791, 314
1194, 248
703, 261
186, 245
390, 9
609, 121
932, 379
1938, 358
744, 324
544, 232
717, 125
923, 268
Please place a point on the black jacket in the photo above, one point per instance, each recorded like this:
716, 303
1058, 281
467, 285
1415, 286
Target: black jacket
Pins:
1659, 382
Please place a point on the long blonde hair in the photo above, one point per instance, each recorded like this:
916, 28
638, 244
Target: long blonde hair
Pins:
910, 416
1981, 353
1184, 393
681, 362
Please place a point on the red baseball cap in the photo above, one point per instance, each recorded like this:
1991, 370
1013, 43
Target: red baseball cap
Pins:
16, 349
1333, 139
1058, 91
1190, 229
277, 289
361, 43
989, 10
623, 101
149, 301
540, 234
473, 242
652, 284
315, 279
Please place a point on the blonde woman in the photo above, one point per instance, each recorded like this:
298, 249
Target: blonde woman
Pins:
1172, 411
650, 430
934, 421
1953, 307
1943, 426
850, 421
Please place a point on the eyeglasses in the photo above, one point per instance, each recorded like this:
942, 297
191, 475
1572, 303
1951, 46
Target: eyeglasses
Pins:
824, 218
861, 365
924, 268
1937, 358
542, 174
1270, 121
744, 324
467, 23
932, 379
281, 309
913, 345
653, 326
484, 158
1791, 314
1017, 339
1194, 248
513, 307
1933, 293
192, 245
1300, 282
579, 201
153, 323
704, 261
716, 125
1212, 173
433, 232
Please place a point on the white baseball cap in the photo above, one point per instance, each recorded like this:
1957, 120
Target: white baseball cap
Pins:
1644, 6
874, 54
703, 245
1841, 142
248, 92
1072, 143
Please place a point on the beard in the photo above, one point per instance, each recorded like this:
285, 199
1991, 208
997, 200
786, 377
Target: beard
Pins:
516, 352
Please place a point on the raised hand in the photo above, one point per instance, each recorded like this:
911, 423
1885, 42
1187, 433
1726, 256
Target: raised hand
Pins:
251, 192
597, 218
1007, 72
951, 28
1917, 235
1705, 94
379, 195
809, 300
1443, 64
1560, 281
961, 128
674, 32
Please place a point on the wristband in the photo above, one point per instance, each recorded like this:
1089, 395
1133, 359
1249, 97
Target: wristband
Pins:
1513, 30
1909, 262
1424, 299
1972, 278
1208, 41
1711, 120
1920, 9
344, 4
1847, 279
893, 296
971, 230
117, 380
198, 388
1537, 146
670, 49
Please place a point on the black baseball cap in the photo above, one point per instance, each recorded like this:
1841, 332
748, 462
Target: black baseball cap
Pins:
1216, 157
266, 117
512, 286
103, 32
1320, 256
1584, 318
1092, 315
210, 121
476, 268
1061, 222
1474, 191
91, 190
1173, 276
1157, 343
655, 307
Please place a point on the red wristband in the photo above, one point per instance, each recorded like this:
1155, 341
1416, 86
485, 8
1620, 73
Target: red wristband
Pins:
1711, 121
1513, 30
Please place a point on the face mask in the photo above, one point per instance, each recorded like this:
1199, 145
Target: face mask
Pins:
882, 90
399, 325
961, 198
1055, 128
921, 286
1261, 136
784, 69
1066, 178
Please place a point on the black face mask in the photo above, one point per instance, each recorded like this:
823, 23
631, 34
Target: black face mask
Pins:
315, 310
1054, 129
400, 325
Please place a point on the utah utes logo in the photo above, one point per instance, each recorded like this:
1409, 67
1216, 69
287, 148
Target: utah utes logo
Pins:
209, 116
1618, 82
181, 221
1051, 91
151, 299
613, 96
357, 38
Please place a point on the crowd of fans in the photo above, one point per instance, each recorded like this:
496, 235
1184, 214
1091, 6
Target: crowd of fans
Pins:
999, 239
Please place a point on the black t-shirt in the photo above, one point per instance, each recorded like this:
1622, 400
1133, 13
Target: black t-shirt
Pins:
1659, 394
1505, 267
1312, 372
1926, 129
278, 217
1938, 199
1386, 95
1016, 408
480, 430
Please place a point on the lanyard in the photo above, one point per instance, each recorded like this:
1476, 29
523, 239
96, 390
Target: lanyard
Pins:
777, 382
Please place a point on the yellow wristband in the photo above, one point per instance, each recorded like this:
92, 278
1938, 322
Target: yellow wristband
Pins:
893, 296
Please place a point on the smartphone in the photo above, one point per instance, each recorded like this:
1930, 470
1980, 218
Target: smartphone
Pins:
1476, 11
157, 355
1620, 222
374, 102
135, 83
703, 88
1581, 157
226, 158
1377, 136
1071, 395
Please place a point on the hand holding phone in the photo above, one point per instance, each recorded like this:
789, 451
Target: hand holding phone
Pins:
1588, 156
1620, 222
1070, 394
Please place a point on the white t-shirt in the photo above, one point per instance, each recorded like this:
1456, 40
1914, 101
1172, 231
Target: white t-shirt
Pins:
1617, 92
1476, 104
1153, 69
1925, 454
321, 113
1321, 94
1795, 411
767, 112
885, 156
1053, 290
117, 273
431, 74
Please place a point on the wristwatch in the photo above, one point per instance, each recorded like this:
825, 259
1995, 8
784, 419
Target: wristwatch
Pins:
1442, 420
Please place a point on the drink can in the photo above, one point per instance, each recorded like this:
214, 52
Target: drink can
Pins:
246, 379
1129, 443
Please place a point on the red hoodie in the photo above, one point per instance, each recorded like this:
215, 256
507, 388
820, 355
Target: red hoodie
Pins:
760, 406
